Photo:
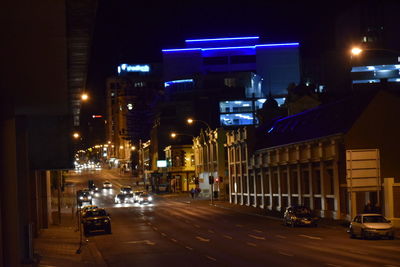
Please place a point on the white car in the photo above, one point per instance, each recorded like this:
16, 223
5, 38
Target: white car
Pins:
107, 185
371, 225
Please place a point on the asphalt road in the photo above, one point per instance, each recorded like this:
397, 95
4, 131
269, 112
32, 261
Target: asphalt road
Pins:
181, 233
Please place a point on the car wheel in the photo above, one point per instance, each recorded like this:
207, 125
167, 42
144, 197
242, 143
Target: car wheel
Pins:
364, 234
108, 229
352, 235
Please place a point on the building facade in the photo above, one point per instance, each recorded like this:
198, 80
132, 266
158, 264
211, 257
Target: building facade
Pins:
304, 159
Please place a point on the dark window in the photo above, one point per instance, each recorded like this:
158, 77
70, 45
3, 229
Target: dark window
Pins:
243, 59
215, 60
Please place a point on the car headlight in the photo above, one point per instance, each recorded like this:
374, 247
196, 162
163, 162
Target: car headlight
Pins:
81, 197
106, 221
150, 198
141, 199
89, 197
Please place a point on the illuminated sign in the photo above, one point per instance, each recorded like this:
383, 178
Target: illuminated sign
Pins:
248, 47
166, 84
133, 68
161, 163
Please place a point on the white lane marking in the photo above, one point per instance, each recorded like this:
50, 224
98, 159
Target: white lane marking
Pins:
148, 242
311, 237
174, 240
285, 254
148, 223
251, 244
257, 237
202, 239
211, 258
257, 231
332, 265
239, 225
163, 234
211, 231
197, 226
280, 236
227, 236
189, 248
155, 228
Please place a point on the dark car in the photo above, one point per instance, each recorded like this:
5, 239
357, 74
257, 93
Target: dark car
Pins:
136, 195
84, 196
145, 198
126, 190
299, 216
96, 220
124, 198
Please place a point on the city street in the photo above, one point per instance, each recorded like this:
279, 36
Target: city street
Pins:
178, 231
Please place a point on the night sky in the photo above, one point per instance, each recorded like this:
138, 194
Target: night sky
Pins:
136, 31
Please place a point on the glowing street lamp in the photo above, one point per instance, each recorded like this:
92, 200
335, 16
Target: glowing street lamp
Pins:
76, 135
356, 51
133, 148
84, 97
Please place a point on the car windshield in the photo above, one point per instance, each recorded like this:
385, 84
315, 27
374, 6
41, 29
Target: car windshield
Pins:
95, 213
302, 211
374, 219
144, 195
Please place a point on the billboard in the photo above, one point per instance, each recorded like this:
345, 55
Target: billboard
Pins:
363, 168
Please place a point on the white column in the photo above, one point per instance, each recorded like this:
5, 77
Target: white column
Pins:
255, 186
279, 189
323, 195
262, 177
289, 190
271, 197
299, 184
310, 178
336, 189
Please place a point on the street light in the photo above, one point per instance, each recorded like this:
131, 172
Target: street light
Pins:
84, 96
191, 121
76, 135
174, 135
356, 51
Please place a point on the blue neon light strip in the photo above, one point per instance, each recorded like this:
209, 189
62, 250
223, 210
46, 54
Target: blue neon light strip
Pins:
222, 39
278, 45
230, 47
182, 50
166, 84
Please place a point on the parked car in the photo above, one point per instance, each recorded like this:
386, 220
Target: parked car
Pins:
299, 216
84, 196
87, 208
136, 195
126, 190
124, 198
145, 198
107, 185
96, 220
370, 225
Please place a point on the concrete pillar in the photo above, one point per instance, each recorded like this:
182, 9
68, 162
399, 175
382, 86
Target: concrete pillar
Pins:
271, 196
262, 177
388, 197
323, 194
336, 187
229, 175
310, 178
255, 186
279, 188
299, 183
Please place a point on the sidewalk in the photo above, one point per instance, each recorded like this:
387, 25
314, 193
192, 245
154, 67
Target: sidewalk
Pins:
58, 245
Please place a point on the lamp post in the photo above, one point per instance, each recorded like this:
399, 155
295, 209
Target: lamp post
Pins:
191, 121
